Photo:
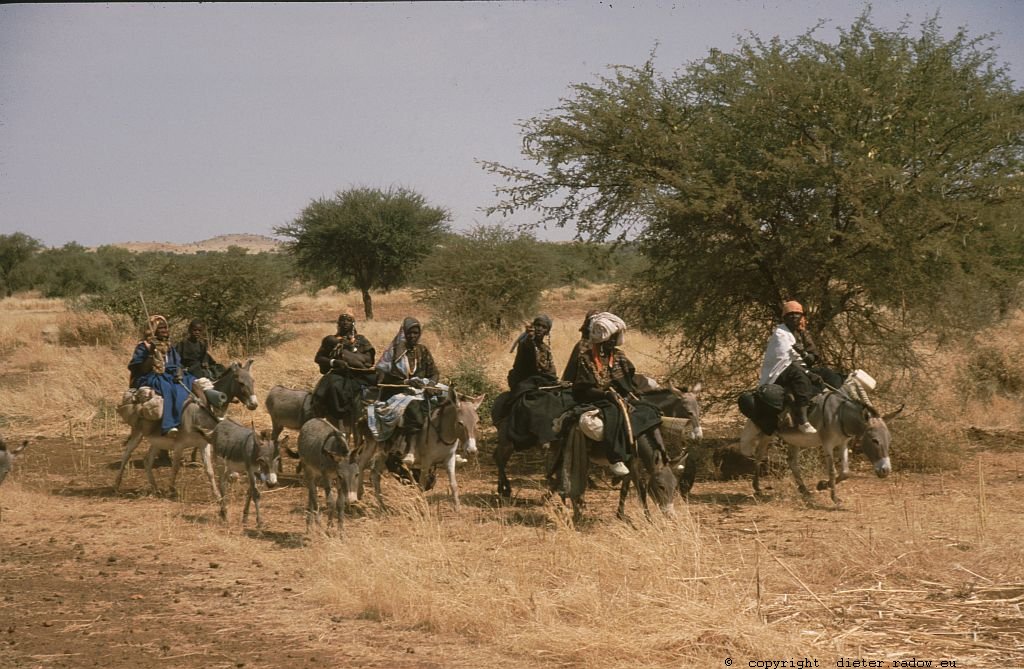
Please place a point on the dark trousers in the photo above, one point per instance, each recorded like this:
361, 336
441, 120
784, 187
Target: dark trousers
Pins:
795, 380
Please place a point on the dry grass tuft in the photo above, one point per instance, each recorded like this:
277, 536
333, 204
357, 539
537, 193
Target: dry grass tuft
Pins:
92, 328
554, 594
994, 365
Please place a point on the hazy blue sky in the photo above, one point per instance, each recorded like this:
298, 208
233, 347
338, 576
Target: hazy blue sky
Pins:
148, 122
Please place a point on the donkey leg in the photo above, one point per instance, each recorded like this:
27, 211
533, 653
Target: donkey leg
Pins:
148, 463
311, 500
502, 453
254, 495
176, 457
844, 460
339, 505
245, 509
828, 450
793, 457
130, 444
328, 491
623, 494
206, 455
760, 457
375, 480
452, 484
224, 493
752, 443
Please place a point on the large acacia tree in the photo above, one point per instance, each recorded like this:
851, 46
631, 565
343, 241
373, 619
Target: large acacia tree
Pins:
877, 179
365, 237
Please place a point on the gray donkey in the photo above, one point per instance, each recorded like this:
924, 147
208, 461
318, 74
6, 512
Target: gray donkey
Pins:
7, 457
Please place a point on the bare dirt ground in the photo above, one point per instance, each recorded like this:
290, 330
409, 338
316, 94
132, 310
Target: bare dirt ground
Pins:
90, 578
93, 578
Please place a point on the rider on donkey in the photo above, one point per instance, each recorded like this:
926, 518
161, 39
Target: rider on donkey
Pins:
604, 379
533, 353
569, 373
195, 354
346, 362
788, 358
155, 363
407, 364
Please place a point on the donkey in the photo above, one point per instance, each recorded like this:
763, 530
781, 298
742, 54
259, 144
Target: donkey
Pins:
7, 457
671, 401
323, 452
548, 405
838, 420
649, 472
449, 425
288, 407
243, 451
236, 383
682, 403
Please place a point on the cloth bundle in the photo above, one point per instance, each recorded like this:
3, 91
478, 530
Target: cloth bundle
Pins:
140, 402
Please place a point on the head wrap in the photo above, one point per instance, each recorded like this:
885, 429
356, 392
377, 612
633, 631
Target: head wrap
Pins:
606, 326
791, 307
154, 320
410, 323
394, 352
541, 318
585, 328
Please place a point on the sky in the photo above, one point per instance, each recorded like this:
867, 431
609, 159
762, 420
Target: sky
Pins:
181, 122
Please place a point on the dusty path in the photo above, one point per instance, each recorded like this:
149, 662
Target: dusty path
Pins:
90, 579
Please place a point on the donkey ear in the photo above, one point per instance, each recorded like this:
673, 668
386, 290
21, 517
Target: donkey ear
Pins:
248, 363
697, 387
477, 401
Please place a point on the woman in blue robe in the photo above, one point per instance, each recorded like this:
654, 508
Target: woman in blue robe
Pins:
157, 364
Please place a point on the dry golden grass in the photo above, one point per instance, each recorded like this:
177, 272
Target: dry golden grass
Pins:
918, 565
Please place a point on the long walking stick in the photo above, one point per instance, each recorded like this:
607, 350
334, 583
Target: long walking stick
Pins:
625, 415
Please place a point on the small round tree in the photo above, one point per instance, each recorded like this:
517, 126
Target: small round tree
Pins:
365, 237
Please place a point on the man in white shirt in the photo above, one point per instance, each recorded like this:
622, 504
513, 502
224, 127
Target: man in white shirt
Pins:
784, 365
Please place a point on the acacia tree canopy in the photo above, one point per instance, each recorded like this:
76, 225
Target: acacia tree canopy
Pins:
365, 237
875, 179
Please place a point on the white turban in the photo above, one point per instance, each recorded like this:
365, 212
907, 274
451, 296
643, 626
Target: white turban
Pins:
605, 326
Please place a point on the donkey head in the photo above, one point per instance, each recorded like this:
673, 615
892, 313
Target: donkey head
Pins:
876, 440
690, 399
465, 419
268, 458
237, 383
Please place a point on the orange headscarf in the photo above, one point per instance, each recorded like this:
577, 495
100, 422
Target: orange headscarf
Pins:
791, 307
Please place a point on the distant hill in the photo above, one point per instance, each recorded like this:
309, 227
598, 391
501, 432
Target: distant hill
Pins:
255, 244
